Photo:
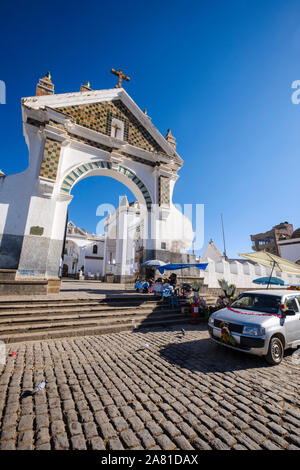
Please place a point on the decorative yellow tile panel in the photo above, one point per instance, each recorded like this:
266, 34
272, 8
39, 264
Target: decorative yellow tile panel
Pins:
164, 191
98, 116
50, 159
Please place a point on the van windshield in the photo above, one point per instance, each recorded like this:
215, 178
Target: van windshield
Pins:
258, 302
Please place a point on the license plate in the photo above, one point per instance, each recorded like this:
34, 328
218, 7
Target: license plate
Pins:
217, 333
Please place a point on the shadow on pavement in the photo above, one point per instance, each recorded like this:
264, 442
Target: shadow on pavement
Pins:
205, 356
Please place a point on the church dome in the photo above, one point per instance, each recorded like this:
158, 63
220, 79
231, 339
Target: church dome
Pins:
296, 233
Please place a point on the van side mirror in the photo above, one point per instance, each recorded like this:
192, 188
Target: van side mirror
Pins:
290, 312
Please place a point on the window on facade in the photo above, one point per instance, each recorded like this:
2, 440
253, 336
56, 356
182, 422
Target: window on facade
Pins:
163, 245
95, 249
117, 129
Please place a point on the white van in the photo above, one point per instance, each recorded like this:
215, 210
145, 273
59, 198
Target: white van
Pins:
264, 322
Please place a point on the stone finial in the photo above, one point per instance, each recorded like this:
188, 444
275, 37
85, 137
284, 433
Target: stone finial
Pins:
146, 114
171, 139
124, 202
86, 87
45, 86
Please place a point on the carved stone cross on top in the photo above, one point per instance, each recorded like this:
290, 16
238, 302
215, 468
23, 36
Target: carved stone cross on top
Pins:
121, 76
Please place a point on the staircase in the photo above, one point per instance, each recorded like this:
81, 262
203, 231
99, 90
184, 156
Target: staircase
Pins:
28, 320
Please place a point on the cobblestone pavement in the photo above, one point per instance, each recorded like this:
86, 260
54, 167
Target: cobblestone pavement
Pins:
102, 392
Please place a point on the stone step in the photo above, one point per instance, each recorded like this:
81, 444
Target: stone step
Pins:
4, 304
45, 318
79, 320
64, 332
112, 314
81, 308
65, 300
125, 300
45, 306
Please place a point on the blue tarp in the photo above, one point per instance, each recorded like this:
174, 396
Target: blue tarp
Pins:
174, 267
141, 285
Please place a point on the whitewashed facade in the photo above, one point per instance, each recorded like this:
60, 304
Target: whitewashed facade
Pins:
83, 252
239, 272
290, 249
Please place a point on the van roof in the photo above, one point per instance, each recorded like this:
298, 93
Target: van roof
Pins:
279, 292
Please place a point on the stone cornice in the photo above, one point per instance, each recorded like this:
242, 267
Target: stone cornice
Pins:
64, 197
44, 187
110, 142
168, 173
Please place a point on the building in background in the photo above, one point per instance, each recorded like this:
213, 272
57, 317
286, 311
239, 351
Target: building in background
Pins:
120, 247
290, 249
240, 272
83, 251
122, 240
268, 241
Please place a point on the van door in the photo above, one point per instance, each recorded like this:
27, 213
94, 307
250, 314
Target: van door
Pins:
292, 323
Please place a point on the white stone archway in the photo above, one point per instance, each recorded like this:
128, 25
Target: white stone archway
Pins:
69, 138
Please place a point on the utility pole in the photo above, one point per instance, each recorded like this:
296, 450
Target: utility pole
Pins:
223, 237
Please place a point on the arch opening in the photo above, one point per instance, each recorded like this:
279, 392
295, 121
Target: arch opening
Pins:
120, 173
107, 226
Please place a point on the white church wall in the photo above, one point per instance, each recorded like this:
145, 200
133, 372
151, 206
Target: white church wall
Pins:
41, 214
233, 266
15, 195
3, 215
290, 250
88, 248
71, 263
93, 266
243, 277
176, 231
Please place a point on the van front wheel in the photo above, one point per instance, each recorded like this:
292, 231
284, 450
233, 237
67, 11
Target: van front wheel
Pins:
275, 352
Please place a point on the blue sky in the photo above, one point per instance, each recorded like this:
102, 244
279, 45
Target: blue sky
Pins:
218, 74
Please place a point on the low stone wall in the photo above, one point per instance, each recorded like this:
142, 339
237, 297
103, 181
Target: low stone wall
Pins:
29, 287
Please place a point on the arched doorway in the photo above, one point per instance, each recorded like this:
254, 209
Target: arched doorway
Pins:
65, 270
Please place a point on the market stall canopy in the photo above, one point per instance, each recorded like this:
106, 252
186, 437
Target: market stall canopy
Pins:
275, 281
153, 263
272, 261
174, 267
